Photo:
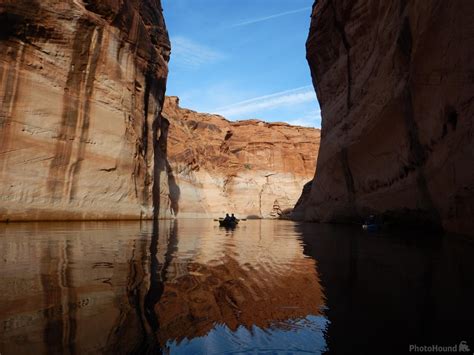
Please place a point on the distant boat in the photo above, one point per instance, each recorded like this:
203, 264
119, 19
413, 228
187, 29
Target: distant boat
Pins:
228, 224
370, 227
371, 224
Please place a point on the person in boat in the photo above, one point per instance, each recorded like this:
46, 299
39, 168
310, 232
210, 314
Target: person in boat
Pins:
233, 218
227, 218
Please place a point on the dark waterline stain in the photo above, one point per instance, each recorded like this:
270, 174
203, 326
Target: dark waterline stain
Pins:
84, 133
10, 87
76, 110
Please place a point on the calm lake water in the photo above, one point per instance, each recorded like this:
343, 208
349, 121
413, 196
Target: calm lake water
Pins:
267, 287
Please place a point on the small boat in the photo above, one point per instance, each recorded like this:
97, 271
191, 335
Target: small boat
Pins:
370, 227
371, 224
228, 224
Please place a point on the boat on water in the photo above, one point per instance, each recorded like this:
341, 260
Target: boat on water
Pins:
228, 224
371, 224
370, 227
228, 221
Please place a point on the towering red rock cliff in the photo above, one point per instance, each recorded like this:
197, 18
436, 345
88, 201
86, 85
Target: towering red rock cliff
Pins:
395, 80
81, 90
249, 167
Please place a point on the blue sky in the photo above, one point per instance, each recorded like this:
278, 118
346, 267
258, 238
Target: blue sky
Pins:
242, 59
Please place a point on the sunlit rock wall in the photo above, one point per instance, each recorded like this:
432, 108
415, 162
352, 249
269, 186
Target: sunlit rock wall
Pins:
81, 90
251, 168
395, 81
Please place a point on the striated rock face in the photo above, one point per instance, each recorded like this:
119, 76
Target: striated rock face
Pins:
81, 89
251, 168
395, 83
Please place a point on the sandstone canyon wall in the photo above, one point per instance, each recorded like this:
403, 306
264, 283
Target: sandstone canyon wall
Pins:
252, 168
395, 80
81, 90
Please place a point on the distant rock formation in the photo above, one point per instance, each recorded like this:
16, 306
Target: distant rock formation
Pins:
252, 168
395, 82
81, 90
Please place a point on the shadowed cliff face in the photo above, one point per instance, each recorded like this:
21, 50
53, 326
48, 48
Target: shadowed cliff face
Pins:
252, 168
395, 84
81, 89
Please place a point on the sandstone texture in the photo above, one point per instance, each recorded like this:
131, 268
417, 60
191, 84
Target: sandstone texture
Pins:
252, 168
81, 90
395, 82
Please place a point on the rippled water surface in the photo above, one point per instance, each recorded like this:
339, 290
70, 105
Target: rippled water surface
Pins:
267, 287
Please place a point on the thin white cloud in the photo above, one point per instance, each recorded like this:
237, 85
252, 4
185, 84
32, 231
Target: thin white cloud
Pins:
270, 17
310, 119
189, 54
266, 102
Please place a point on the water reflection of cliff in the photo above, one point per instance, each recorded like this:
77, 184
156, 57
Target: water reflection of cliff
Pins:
63, 285
126, 289
248, 280
390, 289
